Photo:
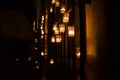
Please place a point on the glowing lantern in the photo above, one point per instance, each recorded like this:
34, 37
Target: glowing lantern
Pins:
62, 9
62, 28
53, 1
66, 18
71, 32
57, 4
51, 9
51, 61
53, 39
58, 38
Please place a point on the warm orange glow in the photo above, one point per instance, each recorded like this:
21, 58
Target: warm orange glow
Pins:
62, 28
36, 48
36, 62
42, 53
55, 27
53, 1
42, 18
37, 67
78, 52
53, 39
36, 40
91, 25
71, 32
56, 31
66, 18
58, 39
62, 10
57, 4
42, 32
33, 23
42, 36
51, 61
51, 9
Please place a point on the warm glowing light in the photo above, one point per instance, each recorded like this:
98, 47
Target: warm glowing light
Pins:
33, 23
53, 1
17, 59
71, 32
42, 17
51, 61
36, 62
56, 31
36, 48
33, 28
53, 39
41, 27
42, 53
42, 32
51, 9
55, 27
57, 4
29, 58
42, 21
37, 67
42, 36
66, 18
45, 53
36, 40
58, 39
62, 9
62, 28
78, 52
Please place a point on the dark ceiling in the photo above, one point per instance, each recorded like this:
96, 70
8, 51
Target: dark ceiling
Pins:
27, 5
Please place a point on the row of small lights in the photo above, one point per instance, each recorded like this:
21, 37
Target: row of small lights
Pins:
61, 29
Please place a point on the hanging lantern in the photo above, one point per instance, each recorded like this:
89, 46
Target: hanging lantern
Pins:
41, 27
71, 32
78, 53
42, 32
36, 40
62, 9
53, 1
51, 9
57, 4
33, 23
55, 27
53, 39
56, 31
42, 17
42, 53
36, 48
51, 61
58, 38
62, 28
66, 18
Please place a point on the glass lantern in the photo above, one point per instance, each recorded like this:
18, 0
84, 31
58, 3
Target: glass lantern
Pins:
62, 28
53, 39
53, 1
71, 31
62, 9
58, 38
57, 4
66, 18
